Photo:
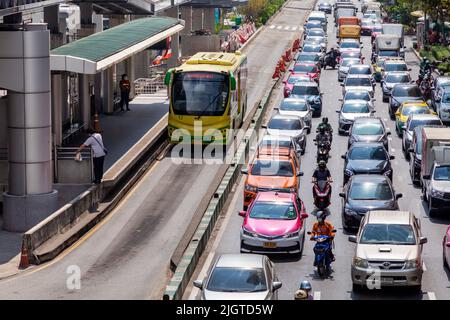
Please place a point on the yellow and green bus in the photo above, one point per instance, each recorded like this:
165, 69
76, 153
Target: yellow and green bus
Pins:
208, 97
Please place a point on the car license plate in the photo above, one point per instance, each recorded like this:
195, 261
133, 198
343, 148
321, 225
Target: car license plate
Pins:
387, 280
270, 245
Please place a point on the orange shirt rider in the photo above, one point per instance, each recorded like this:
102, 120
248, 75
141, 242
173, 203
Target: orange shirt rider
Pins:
322, 229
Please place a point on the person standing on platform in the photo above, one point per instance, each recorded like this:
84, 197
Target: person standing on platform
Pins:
125, 86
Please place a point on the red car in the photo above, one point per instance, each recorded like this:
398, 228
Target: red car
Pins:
307, 69
446, 248
292, 79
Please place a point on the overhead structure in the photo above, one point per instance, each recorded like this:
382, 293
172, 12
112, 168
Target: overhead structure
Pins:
102, 50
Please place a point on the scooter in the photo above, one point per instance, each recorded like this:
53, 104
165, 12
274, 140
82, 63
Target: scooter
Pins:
329, 61
323, 151
322, 194
322, 258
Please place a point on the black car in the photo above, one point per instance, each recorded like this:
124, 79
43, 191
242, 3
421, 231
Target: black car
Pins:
367, 158
363, 193
325, 7
368, 129
401, 93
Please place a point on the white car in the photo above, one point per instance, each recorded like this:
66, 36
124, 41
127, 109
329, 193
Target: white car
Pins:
388, 243
350, 110
358, 82
344, 66
240, 277
350, 45
292, 126
359, 95
296, 107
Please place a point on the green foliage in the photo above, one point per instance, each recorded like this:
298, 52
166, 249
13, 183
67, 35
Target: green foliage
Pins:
262, 10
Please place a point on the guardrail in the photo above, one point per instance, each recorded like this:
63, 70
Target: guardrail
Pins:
149, 85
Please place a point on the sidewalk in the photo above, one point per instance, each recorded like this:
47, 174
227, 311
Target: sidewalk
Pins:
120, 132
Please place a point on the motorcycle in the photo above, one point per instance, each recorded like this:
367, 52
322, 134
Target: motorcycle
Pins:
425, 88
322, 194
322, 258
329, 61
323, 151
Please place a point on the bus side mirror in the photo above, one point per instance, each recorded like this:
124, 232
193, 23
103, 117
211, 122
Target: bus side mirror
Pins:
233, 82
168, 76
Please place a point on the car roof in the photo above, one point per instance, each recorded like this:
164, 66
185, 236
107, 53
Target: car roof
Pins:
276, 138
399, 73
306, 84
389, 217
405, 85
240, 260
285, 117
366, 144
424, 116
355, 90
394, 61
274, 196
291, 99
368, 120
369, 178
417, 103
301, 63
360, 65
356, 101
349, 40
358, 76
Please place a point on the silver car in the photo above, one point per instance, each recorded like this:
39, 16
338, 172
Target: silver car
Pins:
240, 277
413, 121
442, 103
391, 79
359, 95
388, 249
350, 110
297, 107
358, 82
288, 125
345, 65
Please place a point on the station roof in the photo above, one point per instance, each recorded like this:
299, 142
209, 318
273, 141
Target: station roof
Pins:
101, 50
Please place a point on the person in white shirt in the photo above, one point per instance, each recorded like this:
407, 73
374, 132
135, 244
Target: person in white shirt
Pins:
95, 141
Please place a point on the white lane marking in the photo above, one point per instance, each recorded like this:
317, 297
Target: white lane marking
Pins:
424, 267
316, 295
393, 150
272, 27
287, 28
390, 139
279, 27
294, 28
431, 296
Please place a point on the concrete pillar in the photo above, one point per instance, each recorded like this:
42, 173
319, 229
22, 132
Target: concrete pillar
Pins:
87, 26
131, 75
108, 93
25, 64
84, 99
57, 106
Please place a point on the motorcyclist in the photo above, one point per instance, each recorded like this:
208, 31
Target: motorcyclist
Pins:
323, 228
334, 54
326, 125
321, 173
304, 292
425, 65
323, 136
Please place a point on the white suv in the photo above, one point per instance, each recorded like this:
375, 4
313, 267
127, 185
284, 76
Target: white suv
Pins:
388, 251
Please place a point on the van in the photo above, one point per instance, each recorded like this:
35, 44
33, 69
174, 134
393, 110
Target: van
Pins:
350, 31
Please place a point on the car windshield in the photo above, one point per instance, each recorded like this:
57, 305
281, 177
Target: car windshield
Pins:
313, 33
276, 143
348, 45
442, 173
368, 153
367, 129
294, 105
350, 54
358, 82
313, 24
273, 211
199, 93
307, 57
305, 91
359, 70
367, 190
310, 48
397, 78
387, 53
350, 62
409, 91
294, 79
415, 110
415, 123
395, 67
355, 108
285, 124
237, 280
419, 143
397, 234
270, 168
446, 98
366, 23
305, 68
357, 95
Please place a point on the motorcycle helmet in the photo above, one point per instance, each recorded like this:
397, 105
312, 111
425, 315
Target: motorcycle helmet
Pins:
325, 119
305, 285
320, 216
322, 164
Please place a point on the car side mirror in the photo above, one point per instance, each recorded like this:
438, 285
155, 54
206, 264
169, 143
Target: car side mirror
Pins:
427, 177
392, 157
423, 240
409, 69
373, 111
284, 81
338, 111
342, 194
340, 99
308, 232
300, 174
352, 239
374, 99
242, 213
342, 84
344, 156
276, 108
244, 171
447, 244
198, 284
264, 126
304, 216
410, 150
398, 196
276, 285
388, 133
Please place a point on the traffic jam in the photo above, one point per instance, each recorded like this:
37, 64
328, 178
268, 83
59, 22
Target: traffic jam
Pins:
388, 241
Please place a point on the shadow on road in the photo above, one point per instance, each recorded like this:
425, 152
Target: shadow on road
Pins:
388, 294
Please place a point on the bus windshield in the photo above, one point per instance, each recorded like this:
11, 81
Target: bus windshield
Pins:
200, 93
